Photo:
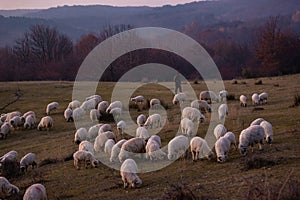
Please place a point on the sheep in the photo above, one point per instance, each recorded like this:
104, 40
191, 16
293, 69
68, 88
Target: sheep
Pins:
129, 175
101, 139
219, 131
137, 99
116, 112
250, 136
23, 117
102, 106
5, 130
133, 145
36, 191
201, 105
108, 146
142, 132
154, 102
187, 126
95, 115
10, 115
86, 146
222, 111
86, 157
153, 151
140, 120
74, 104
68, 115
243, 101
8, 190
153, 121
51, 106
268, 131
231, 137
177, 146
80, 135
29, 122
3, 117
104, 128
179, 98
257, 121
46, 122
209, 96
200, 149
115, 104
88, 105
95, 97
93, 132
222, 147
156, 138
78, 113
16, 122
28, 159
255, 99
9, 164
116, 150
193, 114
121, 125
11, 155
223, 95
263, 98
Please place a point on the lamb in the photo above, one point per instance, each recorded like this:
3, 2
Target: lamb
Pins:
88, 105
243, 101
193, 114
45, 123
86, 157
223, 95
95, 115
80, 135
74, 104
140, 120
116, 150
187, 127
222, 111
153, 151
68, 114
86, 146
263, 98
154, 102
93, 132
255, 99
200, 149
131, 146
137, 99
219, 131
268, 131
142, 132
222, 147
179, 98
177, 146
16, 122
28, 159
108, 146
102, 106
153, 121
121, 125
129, 175
201, 105
209, 96
5, 130
231, 137
36, 191
156, 138
101, 139
29, 122
250, 136
8, 190
115, 104
51, 106
78, 113
104, 128
257, 121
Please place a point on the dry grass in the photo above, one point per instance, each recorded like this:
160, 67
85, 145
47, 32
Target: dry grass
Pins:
269, 174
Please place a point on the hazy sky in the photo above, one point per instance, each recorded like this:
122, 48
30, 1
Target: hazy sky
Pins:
21, 4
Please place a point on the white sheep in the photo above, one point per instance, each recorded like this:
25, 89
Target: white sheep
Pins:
23, 117
201, 105
141, 119
3, 117
116, 112
177, 146
9, 156
88, 105
68, 115
85, 157
116, 150
8, 190
179, 98
222, 111
29, 122
10, 115
153, 151
131, 146
74, 104
36, 191
156, 138
257, 121
102, 106
154, 102
137, 99
153, 121
16, 122
187, 126
115, 104
95, 97
263, 98
129, 175
101, 139
193, 114
243, 101
108, 146
80, 135
223, 95
78, 113
45, 123
231, 137
250, 136
93, 132
222, 147
209, 96
255, 99
103, 128
219, 131
95, 115
200, 149
86, 146
51, 106
268, 131
142, 132
28, 159
5, 130
121, 125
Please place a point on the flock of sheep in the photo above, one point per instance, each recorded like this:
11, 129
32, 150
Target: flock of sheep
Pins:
100, 138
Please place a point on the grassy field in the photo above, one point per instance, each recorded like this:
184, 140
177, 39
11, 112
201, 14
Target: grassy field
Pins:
273, 173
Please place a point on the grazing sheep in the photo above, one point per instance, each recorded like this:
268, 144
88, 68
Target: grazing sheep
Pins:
28, 159
104, 128
219, 131
93, 132
222, 111
121, 125
193, 114
5, 130
154, 102
187, 126
95, 115
252, 135
16, 122
78, 113
45, 123
80, 135
257, 121
8, 190
29, 122
86, 146
88, 105
201, 105
23, 117
131, 146
116, 150
68, 114
263, 98
11, 155
177, 146
156, 138
51, 106
85, 157
243, 101
9, 164
179, 98
3, 117
101, 139
108, 146
209, 96
36, 191
116, 112
137, 99
115, 104
153, 121
268, 131
255, 99
10, 115
153, 151
222, 147
129, 175
102, 106
231, 137
141, 119
223, 95
95, 97
200, 149
142, 132
74, 104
